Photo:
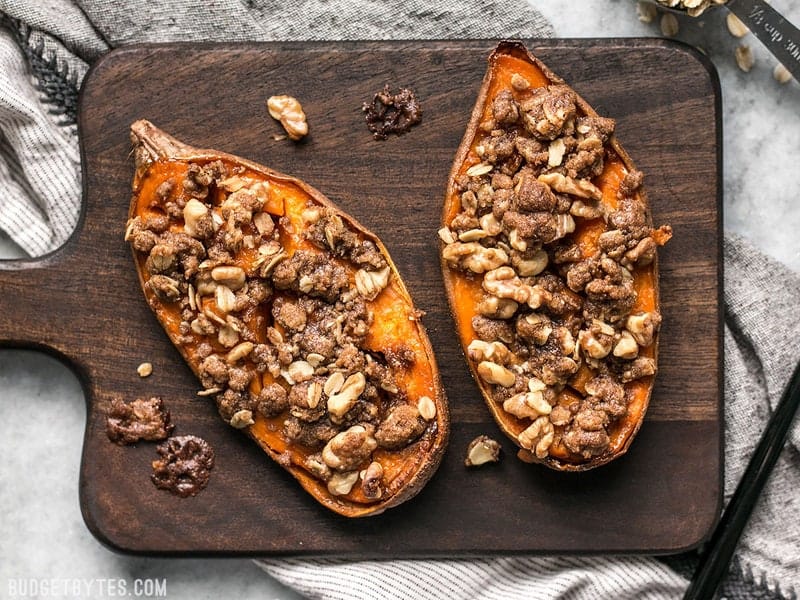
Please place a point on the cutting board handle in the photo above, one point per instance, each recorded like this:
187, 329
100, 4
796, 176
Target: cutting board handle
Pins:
33, 289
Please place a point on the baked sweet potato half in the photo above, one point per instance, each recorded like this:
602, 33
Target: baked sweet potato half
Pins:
549, 261
294, 319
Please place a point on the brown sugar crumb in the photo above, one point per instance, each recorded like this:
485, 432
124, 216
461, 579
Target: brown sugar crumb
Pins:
142, 419
392, 113
185, 465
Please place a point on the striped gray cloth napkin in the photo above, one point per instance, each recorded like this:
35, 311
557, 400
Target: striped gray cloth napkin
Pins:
45, 50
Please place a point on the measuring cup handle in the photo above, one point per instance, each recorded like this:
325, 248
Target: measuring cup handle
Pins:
775, 32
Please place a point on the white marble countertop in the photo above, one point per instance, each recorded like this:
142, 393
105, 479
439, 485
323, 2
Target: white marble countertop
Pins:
44, 537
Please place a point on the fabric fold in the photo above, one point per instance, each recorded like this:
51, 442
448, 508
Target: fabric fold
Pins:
64, 21
759, 288
759, 295
507, 578
41, 173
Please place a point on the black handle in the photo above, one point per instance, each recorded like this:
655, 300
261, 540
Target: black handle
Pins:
775, 32
719, 550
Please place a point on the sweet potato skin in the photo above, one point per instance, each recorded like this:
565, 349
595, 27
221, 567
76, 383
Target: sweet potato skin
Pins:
152, 145
455, 287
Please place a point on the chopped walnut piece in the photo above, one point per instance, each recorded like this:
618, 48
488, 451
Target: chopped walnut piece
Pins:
482, 450
527, 405
638, 368
241, 419
493, 373
317, 467
371, 283
346, 396
340, 484
348, 449
480, 350
538, 437
372, 481
289, 112
626, 346
581, 188
643, 327
497, 308
474, 257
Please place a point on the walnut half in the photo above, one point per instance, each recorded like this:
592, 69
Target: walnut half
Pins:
289, 112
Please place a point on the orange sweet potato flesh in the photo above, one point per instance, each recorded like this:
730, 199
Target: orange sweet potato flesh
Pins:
394, 329
464, 288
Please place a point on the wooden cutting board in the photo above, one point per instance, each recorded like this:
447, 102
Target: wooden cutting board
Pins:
83, 302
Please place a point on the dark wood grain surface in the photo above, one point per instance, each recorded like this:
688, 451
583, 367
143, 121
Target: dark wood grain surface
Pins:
83, 302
